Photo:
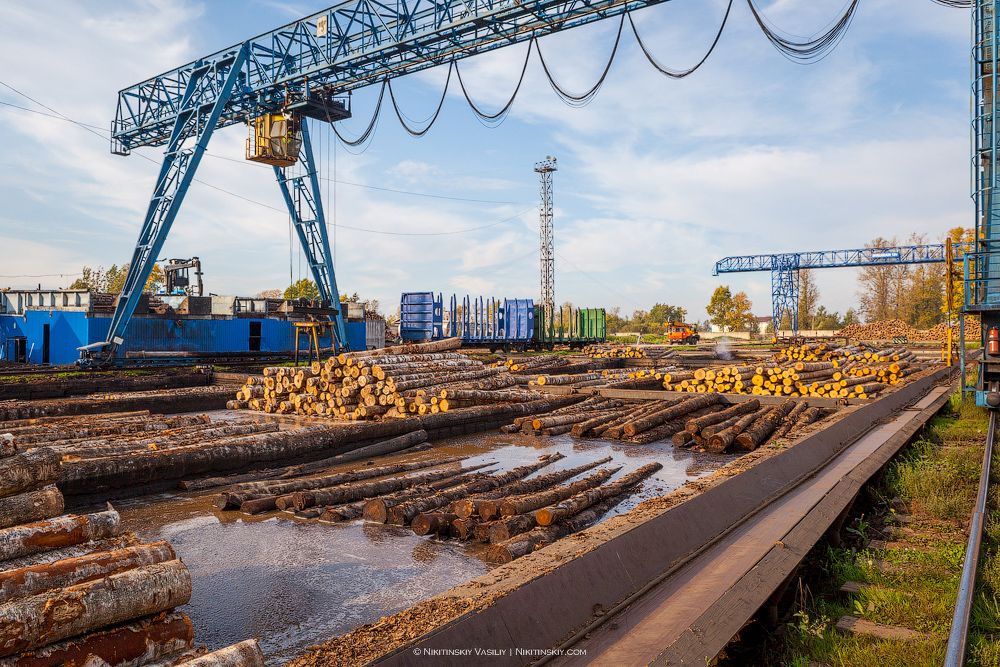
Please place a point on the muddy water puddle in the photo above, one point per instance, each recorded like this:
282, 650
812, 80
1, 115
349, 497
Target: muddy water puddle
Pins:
295, 583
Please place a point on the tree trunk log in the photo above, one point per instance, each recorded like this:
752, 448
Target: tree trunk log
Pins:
403, 513
463, 529
763, 427
576, 504
30, 470
139, 643
120, 597
245, 654
526, 503
63, 531
487, 505
696, 425
507, 527
646, 423
351, 492
30, 506
536, 538
432, 522
720, 441
376, 510
37, 579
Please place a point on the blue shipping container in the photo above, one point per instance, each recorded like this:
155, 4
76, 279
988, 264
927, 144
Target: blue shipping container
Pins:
421, 316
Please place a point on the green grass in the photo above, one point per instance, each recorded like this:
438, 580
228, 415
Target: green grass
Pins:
913, 586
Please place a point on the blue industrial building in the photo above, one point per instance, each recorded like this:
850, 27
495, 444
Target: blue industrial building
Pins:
49, 332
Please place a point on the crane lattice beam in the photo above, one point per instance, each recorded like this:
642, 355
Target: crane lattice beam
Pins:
785, 267
351, 45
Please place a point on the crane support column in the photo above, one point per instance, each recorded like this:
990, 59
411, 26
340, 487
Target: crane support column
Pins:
785, 292
196, 118
302, 197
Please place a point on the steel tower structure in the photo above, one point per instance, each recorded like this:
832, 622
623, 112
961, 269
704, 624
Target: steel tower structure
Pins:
546, 239
982, 268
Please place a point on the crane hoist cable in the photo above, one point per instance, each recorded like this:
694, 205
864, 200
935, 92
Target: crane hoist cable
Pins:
810, 50
496, 119
580, 100
680, 74
429, 123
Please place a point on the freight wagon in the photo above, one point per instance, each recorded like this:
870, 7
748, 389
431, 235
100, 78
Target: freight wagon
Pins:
510, 324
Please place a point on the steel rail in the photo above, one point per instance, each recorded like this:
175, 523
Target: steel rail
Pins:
959, 635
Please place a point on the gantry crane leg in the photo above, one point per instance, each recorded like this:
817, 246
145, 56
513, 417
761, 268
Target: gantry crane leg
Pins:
305, 205
195, 119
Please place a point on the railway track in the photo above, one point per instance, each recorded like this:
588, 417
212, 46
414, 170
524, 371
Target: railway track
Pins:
677, 587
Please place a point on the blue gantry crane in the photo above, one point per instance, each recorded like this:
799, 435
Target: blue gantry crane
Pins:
276, 81
785, 267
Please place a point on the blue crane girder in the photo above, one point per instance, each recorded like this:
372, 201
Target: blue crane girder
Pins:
785, 267
348, 46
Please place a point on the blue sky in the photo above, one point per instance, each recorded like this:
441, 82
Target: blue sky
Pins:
657, 178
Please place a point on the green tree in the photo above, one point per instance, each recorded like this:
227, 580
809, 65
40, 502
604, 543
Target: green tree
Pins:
720, 307
661, 313
615, 322
302, 289
824, 319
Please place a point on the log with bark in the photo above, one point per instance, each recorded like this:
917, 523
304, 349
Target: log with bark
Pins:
36, 579
761, 429
43, 503
245, 654
140, 642
526, 503
376, 510
697, 424
682, 408
487, 505
28, 471
525, 543
272, 489
63, 531
432, 522
54, 615
581, 501
403, 513
721, 440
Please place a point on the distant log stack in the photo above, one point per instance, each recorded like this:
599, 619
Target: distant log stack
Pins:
806, 370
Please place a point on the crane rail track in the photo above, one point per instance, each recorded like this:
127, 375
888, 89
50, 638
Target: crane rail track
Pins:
955, 653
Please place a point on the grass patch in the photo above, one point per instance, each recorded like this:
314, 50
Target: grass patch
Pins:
914, 583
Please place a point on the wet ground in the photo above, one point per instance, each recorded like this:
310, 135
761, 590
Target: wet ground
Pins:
294, 583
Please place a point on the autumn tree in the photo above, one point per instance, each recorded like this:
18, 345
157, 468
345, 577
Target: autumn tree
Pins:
732, 312
881, 287
270, 294
302, 289
112, 279
808, 299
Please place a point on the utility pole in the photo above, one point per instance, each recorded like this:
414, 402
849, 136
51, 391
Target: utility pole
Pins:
545, 236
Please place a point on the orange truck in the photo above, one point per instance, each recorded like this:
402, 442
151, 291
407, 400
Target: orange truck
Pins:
679, 333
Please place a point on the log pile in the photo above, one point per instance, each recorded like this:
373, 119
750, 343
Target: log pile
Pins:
701, 422
614, 351
817, 370
888, 330
381, 384
64, 578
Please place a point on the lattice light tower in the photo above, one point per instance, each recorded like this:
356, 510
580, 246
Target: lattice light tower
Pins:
545, 235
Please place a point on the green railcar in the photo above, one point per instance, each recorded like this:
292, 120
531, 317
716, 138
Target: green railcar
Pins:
575, 327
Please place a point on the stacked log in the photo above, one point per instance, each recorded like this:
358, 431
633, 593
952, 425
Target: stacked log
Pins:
381, 384
817, 371
75, 589
612, 351
182, 399
569, 515
887, 330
